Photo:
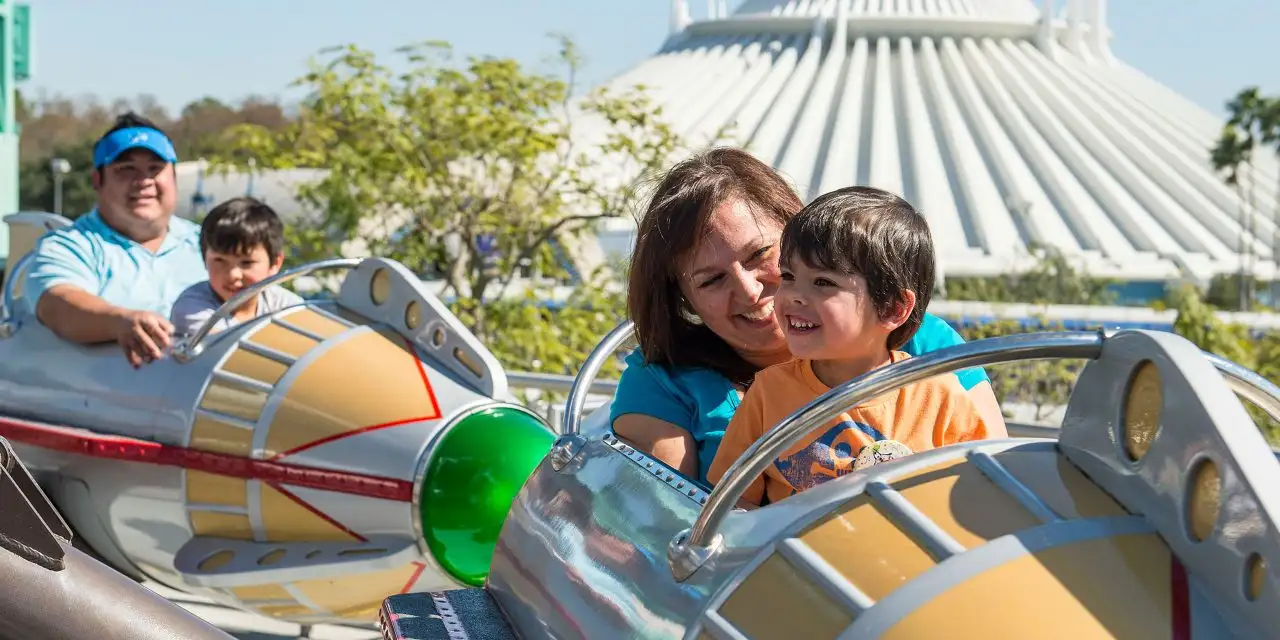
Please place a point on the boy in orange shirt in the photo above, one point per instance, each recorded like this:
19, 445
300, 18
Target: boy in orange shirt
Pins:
857, 274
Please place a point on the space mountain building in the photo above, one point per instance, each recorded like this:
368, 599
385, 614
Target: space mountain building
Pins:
1008, 124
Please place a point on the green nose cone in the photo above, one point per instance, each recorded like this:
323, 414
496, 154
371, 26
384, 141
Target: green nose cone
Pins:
471, 480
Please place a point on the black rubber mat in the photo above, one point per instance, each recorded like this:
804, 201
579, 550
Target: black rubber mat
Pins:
461, 614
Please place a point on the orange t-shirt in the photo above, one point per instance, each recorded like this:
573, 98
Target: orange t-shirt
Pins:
928, 414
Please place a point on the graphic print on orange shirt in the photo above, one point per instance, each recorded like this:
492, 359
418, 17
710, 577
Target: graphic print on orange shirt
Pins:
829, 456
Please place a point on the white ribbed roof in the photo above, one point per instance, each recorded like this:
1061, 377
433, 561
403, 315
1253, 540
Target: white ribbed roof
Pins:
994, 9
1004, 129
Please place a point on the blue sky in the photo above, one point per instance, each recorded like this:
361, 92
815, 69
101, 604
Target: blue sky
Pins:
180, 50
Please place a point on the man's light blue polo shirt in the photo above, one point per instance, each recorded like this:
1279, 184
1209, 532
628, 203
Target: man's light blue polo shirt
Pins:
91, 255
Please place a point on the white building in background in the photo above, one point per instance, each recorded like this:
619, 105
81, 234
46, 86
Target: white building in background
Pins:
199, 190
1005, 122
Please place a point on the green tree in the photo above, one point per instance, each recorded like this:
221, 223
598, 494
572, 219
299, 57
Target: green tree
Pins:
475, 174
1269, 122
35, 181
1234, 150
1042, 384
1198, 323
1052, 280
1224, 292
62, 128
203, 122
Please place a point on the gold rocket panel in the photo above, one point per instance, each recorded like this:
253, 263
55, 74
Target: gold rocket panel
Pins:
886, 557
284, 340
270, 591
1059, 484
1110, 588
221, 525
211, 488
233, 400
777, 602
211, 435
285, 520
254, 366
965, 503
330, 398
357, 596
309, 320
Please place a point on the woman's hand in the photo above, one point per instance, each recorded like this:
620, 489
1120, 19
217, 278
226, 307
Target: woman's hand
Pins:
660, 439
984, 400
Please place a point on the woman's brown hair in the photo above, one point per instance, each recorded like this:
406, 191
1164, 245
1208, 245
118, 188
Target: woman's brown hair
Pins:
673, 224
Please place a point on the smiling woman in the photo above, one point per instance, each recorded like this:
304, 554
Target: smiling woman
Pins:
701, 294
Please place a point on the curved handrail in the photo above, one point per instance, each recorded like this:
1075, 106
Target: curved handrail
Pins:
8, 321
1253, 387
688, 551
191, 348
577, 400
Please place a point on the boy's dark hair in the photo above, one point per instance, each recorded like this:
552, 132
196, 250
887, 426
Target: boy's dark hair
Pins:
238, 225
872, 233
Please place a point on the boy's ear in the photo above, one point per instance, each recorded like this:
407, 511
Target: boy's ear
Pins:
902, 309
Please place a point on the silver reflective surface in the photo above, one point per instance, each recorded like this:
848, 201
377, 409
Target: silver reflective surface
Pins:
1251, 386
583, 552
8, 300
87, 599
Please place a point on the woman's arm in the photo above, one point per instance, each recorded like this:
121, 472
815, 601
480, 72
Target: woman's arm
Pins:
664, 441
934, 334
651, 413
984, 400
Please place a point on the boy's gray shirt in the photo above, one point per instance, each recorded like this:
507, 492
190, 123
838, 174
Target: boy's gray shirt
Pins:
198, 302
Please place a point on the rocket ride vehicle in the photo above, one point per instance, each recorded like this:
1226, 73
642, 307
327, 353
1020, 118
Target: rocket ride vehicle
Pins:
360, 457
304, 465
1151, 514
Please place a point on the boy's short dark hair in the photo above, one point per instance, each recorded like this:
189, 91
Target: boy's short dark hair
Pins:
872, 233
238, 225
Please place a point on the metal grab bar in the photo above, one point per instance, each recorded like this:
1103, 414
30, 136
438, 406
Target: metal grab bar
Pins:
191, 348
1249, 385
692, 547
584, 381
8, 319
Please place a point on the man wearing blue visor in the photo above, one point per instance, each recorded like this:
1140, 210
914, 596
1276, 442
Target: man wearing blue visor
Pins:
114, 274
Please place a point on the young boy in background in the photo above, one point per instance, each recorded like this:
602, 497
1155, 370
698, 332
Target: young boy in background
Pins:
242, 241
857, 274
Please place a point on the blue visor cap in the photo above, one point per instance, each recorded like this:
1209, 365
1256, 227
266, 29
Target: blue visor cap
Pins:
110, 147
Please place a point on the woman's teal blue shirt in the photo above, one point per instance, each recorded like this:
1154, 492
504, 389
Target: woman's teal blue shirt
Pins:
702, 401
